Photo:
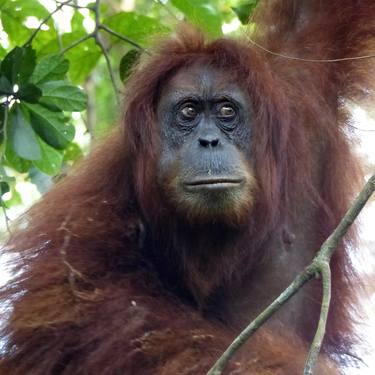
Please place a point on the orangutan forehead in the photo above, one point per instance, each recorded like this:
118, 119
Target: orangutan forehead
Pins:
205, 81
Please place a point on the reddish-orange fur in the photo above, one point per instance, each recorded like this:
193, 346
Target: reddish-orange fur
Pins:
87, 297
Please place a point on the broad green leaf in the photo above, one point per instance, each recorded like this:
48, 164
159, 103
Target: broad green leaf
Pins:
63, 95
5, 86
18, 65
22, 137
50, 68
127, 62
134, 26
51, 160
202, 13
29, 92
244, 11
50, 126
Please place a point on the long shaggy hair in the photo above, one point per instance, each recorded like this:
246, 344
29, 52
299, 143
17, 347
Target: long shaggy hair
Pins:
86, 297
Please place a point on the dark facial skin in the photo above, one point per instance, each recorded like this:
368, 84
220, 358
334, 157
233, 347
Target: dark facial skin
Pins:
205, 129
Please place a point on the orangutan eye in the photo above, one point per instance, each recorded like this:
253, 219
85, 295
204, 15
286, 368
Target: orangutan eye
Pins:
227, 112
188, 113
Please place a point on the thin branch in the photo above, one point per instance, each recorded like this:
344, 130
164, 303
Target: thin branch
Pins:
360, 129
319, 266
77, 42
7, 219
364, 57
32, 36
122, 37
333, 240
100, 43
109, 66
75, 6
316, 345
289, 292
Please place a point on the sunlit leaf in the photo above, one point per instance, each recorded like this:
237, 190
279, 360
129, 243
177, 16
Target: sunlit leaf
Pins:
73, 152
82, 58
14, 14
203, 14
134, 26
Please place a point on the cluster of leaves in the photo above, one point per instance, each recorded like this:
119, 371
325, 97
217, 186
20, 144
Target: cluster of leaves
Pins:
39, 71
33, 122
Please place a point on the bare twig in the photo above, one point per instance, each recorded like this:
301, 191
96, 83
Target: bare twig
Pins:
120, 36
316, 345
319, 266
75, 6
32, 36
364, 57
100, 43
77, 42
6, 217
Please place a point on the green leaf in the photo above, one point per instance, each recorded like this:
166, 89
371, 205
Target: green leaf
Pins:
5, 86
14, 15
13, 160
51, 160
22, 137
63, 95
5, 177
29, 92
77, 23
50, 126
82, 58
244, 11
4, 188
50, 68
18, 65
203, 14
134, 26
73, 152
127, 62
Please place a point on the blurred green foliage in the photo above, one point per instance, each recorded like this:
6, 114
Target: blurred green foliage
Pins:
50, 70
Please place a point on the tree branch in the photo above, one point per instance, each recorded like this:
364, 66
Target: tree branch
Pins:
319, 266
122, 37
77, 42
100, 43
316, 345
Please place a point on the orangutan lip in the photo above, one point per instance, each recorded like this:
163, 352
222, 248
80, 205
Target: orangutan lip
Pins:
214, 182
